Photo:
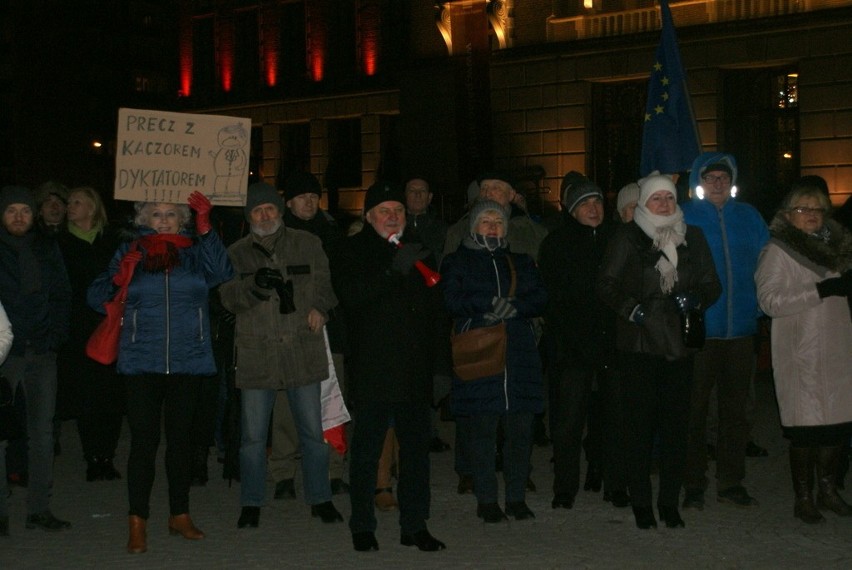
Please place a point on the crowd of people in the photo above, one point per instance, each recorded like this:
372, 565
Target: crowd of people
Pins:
630, 331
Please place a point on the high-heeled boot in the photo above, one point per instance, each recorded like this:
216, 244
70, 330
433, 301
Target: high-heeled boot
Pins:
828, 461
183, 525
138, 541
385, 500
802, 472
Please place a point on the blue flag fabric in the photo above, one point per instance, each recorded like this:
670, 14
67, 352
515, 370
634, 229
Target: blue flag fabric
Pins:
670, 138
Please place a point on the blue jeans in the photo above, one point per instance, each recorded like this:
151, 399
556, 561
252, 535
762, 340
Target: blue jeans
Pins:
256, 411
36, 374
517, 447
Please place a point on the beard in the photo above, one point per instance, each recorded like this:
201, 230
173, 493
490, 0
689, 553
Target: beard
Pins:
266, 228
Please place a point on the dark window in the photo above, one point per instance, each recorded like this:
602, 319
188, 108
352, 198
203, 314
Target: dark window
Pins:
247, 54
760, 127
293, 56
203, 57
616, 137
344, 153
295, 149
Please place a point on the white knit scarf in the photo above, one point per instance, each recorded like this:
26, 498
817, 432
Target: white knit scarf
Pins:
668, 232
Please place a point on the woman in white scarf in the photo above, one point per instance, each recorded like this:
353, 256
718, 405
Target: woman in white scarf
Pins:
659, 216
656, 269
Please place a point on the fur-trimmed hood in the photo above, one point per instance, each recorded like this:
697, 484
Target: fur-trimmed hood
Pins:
833, 251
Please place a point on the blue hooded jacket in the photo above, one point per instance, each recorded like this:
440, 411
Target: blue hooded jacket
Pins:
736, 233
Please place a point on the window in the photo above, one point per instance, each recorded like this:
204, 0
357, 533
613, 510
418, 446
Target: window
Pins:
760, 127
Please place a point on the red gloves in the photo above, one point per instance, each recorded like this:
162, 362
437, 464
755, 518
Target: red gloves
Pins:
202, 206
126, 267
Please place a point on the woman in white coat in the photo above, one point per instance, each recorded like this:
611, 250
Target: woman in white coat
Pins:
804, 282
5, 345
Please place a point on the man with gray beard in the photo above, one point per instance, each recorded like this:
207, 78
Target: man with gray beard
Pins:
281, 298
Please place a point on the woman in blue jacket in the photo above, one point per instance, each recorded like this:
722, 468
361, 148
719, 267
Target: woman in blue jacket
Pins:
165, 348
477, 281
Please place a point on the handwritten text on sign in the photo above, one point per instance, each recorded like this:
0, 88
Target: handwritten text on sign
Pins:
164, 157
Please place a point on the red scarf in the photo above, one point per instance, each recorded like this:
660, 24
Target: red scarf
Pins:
162, 251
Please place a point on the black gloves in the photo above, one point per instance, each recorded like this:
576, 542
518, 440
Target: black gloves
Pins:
836, 286
268, 278
406, 256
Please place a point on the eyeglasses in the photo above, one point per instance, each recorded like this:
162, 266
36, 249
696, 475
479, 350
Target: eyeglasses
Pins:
711, 179
808, 211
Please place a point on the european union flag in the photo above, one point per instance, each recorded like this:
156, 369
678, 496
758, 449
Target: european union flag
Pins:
670, 138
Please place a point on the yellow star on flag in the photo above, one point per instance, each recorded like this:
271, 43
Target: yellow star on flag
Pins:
659, 109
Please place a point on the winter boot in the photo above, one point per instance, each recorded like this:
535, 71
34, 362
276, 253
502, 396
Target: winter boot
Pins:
828, 461
802, 472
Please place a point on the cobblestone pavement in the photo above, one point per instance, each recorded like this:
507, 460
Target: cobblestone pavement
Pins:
591, 535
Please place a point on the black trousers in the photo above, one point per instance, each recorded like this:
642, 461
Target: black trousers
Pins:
150, 397
569, 392
656, 397
413, 431
101, 400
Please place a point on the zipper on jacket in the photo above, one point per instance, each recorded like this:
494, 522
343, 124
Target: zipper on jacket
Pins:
506, 367
168, 325
729, 278
133, 336
200, 325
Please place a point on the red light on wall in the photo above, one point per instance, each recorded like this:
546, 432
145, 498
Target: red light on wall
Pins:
185, 56
369, 27
186, 74
271, 64
371, 55
317, 64
226, 53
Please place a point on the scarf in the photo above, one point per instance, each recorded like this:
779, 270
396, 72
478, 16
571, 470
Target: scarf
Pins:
162, 251
667, 232
85, 235
831, 247
479, 241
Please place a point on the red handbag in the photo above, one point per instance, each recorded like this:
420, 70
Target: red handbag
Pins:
102, 346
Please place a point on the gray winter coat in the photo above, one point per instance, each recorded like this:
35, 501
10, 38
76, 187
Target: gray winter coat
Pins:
275, 351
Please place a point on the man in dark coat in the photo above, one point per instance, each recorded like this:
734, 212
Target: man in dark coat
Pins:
36, 294
391, 313
581, 328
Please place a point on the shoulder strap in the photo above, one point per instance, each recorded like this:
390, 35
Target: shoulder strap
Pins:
514, 274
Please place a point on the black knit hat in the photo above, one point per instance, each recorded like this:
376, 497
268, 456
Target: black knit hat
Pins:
382, 192
16, 195
298, 183
262, 193
575, 188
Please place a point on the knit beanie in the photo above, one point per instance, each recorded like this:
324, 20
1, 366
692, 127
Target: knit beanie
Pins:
300, 182
575, 188
480, 207
262, 193
16, 195
654, 183
382, 192
629, 193
47, 189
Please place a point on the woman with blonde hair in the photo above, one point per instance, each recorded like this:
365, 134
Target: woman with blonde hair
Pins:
165, 349
89, 391
804, 282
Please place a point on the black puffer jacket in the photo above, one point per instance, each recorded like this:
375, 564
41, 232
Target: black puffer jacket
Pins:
628, 277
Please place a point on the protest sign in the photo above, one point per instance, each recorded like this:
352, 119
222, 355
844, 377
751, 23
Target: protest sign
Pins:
164, 157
